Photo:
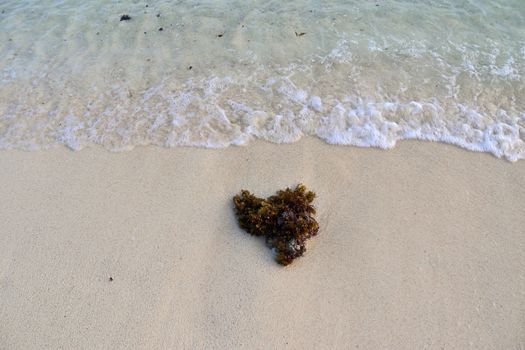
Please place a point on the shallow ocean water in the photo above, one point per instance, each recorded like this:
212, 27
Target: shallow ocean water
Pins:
220, 73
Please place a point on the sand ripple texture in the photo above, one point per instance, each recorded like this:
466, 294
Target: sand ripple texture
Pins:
221, 73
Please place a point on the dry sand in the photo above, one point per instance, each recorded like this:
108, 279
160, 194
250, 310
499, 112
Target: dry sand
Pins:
421, 247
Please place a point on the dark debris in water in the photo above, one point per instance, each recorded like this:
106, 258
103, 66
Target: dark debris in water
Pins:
286, 219
125, 18
300, 33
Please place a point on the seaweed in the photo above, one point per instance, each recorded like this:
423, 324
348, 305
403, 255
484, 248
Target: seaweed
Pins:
285, 219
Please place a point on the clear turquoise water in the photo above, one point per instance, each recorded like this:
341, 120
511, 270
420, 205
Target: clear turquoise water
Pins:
366, 73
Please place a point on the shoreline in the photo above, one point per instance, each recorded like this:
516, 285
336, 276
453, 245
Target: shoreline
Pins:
420, 246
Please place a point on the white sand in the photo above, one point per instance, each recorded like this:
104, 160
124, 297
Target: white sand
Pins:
421, 247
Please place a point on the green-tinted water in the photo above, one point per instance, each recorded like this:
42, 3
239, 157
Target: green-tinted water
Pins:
366, 73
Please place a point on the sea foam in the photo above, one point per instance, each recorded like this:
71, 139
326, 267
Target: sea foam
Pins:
362, 74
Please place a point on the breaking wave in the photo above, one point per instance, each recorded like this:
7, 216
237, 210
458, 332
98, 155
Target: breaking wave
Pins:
339, 71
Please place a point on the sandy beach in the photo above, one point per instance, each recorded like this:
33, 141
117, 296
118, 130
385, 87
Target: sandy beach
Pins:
420, 247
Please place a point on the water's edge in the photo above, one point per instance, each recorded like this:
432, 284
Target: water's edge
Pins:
220, 73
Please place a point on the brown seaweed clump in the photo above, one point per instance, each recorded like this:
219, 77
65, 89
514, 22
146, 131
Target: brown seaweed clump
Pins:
285, 219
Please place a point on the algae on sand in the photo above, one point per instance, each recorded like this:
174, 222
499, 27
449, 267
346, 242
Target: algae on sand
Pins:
285, 219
